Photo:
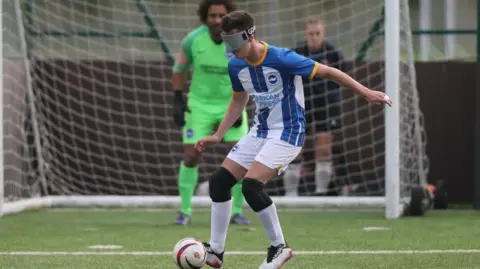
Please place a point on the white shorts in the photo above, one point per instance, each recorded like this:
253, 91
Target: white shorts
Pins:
271, 152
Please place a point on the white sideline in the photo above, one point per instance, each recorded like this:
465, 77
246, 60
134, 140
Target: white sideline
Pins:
203, 210
237, 253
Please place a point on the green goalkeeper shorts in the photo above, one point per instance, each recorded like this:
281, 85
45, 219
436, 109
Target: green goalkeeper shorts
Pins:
200, 122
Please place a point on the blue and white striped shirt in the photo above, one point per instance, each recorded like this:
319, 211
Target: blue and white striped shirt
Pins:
276, 86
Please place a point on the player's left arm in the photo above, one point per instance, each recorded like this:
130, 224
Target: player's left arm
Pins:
303, 66
342, 78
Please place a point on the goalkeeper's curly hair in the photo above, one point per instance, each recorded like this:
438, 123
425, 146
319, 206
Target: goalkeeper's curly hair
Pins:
205, 5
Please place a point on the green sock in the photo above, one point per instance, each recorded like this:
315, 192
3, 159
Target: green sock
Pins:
237, 198
187, 180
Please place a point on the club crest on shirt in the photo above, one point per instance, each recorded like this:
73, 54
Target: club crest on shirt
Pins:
190, 133
273, 79
235, 148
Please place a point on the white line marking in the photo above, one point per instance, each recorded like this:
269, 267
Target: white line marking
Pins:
105, 247
203, 210
239, 253
370, 228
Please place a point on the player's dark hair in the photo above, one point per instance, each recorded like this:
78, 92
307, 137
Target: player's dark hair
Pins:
239, 20
205, 6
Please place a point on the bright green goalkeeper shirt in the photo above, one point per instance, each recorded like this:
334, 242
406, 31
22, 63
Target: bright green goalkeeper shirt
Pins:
210, 86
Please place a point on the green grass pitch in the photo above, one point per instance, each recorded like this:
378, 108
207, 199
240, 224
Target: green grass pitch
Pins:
61, 239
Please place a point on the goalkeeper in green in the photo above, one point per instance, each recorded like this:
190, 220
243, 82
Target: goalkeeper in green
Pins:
209, 96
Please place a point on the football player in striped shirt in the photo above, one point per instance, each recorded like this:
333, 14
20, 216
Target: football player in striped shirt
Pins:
272, 76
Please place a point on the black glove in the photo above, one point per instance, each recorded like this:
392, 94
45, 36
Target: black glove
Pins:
238, 123
179, 108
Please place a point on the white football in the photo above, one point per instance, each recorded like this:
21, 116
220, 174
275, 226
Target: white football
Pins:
189, 253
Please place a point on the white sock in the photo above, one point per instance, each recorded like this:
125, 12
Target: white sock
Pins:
323, 170
220, 218
271, 224
291, 177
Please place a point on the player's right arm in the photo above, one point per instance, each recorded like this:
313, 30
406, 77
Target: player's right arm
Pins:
234, 111
235, 108
179, 79
237, 103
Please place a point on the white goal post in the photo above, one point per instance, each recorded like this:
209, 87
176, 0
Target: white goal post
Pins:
86, 103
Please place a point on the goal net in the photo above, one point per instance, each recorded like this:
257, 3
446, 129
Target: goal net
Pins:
87, 102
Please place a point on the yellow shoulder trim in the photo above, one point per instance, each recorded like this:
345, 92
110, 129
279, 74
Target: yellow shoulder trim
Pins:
314, 71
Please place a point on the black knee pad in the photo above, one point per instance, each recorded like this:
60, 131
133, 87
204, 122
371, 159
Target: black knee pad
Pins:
254, 194
220, 185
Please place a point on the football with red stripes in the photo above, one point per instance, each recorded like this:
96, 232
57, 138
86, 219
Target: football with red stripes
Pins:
189, 253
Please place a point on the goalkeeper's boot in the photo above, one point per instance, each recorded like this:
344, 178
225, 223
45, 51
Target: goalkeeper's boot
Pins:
239, 219
276, 257
183, 219
214, 260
